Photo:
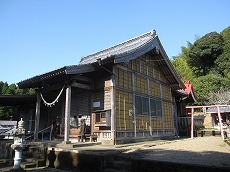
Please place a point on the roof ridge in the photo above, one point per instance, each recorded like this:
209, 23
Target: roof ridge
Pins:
150, 33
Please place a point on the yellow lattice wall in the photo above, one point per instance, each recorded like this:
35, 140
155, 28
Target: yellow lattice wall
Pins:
123, 79
140, 84
166, 93
143, 73
167, 109
156, 123
154, 88
156, 73
124, 103
150, 71
136, 65
142, 122
143, 68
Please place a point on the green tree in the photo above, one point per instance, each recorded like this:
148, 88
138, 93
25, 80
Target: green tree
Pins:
31, 91
223, 61
4, 88
181, 65
219, 97
204, 52
223, 65
1, 85
6, 112
11, 89
19, 91
210, 83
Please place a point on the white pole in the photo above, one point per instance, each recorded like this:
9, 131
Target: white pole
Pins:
220, 122
192, 114
112, 92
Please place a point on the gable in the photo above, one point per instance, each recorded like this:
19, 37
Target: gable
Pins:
135, 48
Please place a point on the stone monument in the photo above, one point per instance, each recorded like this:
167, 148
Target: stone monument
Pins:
19, 145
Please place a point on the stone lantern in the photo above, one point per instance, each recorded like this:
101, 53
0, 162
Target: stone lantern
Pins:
19, 145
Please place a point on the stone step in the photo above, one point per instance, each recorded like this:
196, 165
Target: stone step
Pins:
34, 151
112, 170
38, 162
5, 162
26, 165
77, 144
6, 169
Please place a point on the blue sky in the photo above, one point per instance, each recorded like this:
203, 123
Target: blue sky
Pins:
37, 36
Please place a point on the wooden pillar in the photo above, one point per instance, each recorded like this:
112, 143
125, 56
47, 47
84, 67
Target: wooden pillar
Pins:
220, 122
134, 111
192, 116
112, 92
162, 109
67, 114
62, 125
37, 116
150, 117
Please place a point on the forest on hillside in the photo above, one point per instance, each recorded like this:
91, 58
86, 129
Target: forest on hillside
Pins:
206, 63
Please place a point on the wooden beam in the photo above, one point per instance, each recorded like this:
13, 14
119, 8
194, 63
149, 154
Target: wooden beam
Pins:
82, 78
84, 86
79, 69
174, 85
168, 76
52, 87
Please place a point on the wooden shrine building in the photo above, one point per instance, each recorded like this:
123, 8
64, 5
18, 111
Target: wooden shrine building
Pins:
124, 92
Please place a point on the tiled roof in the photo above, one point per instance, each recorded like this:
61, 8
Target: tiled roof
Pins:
73, 69
189, 89
222, 109
126, 47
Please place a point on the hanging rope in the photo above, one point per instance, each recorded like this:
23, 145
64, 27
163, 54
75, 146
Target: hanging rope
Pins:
56, 100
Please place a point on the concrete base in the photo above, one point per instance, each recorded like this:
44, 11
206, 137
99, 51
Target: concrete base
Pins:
107, 142
66, 142
17, 170
135, 139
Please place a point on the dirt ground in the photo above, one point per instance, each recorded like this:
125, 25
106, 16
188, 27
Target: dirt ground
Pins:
210, 151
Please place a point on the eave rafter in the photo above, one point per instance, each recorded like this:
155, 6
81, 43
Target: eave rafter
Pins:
84, 86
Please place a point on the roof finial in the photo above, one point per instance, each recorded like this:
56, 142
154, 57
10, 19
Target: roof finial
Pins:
153, 32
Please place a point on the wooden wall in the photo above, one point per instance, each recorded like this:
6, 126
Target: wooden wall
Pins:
141, 77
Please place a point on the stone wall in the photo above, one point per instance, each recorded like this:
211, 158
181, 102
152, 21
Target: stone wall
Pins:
6, 152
